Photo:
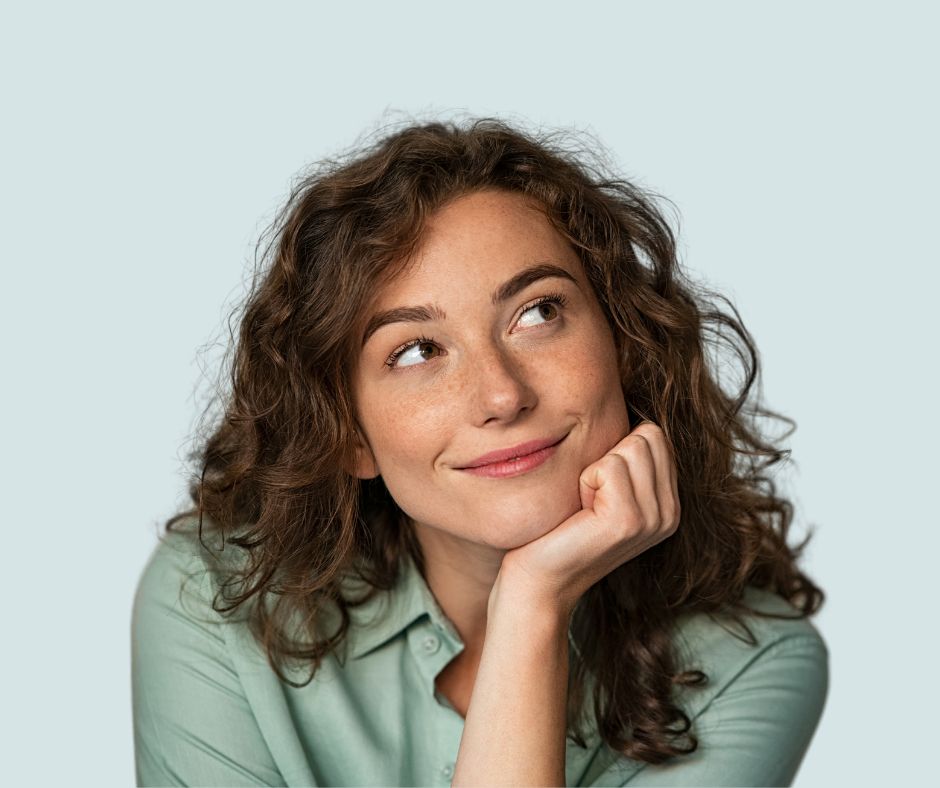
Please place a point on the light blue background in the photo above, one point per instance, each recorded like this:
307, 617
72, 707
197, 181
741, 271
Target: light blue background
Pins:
145, 147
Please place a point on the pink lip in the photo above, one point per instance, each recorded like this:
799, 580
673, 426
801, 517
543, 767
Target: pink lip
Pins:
527, 456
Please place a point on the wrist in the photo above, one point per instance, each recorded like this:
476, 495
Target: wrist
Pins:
513, 597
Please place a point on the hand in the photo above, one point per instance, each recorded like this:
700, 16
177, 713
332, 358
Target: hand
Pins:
630, 502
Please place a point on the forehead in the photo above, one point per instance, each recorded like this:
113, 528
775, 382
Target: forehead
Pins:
476, 242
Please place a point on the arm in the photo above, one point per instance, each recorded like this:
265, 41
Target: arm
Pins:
192, 722
514, 733
515, 728
755, 731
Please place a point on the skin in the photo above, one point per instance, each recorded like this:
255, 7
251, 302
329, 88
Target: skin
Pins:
492, 382
511, 555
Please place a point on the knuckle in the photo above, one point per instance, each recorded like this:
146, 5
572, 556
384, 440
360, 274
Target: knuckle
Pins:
648, 427
613, 460
637, 440
673, 524
608, 462
671, 515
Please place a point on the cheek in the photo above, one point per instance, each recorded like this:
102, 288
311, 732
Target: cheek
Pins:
597, 393
408, 433
586, 372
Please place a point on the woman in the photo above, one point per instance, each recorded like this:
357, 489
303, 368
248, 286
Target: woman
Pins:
477, 510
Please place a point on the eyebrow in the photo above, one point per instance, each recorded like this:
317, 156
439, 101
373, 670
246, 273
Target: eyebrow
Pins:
426, 312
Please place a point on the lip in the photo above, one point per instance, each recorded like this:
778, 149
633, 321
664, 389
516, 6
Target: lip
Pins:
522, 451
514, 467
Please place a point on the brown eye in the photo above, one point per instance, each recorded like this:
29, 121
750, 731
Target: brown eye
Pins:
548, 308
412, 353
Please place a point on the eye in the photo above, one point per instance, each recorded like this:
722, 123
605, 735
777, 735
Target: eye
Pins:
419, 344
547, 307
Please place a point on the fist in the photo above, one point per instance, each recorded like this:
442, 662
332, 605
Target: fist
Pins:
629, 502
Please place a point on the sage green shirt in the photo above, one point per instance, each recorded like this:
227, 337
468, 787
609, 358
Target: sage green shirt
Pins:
209, 710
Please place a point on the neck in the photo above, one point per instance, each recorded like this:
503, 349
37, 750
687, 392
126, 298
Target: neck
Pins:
460, 575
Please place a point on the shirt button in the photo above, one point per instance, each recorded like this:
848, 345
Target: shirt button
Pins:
430, 644
447, 770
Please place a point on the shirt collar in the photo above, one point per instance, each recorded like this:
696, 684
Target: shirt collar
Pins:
390, 612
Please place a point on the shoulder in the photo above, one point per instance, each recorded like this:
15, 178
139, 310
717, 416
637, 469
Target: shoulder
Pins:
778, 644
176, 552
179, 582
755, 715
174, 559
196, 697
774, 621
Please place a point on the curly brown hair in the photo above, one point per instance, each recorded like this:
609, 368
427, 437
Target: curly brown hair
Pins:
272, 477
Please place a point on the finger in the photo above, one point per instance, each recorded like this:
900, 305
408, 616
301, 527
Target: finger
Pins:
636, 453
666, 471
665, 455
606, 483
615, 508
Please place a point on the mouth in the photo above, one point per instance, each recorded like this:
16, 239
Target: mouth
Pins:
517, 465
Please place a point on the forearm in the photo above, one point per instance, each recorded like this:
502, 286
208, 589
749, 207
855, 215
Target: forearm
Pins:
515, 728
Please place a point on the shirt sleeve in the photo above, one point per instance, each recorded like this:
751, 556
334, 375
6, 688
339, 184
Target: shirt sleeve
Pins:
756, 730
192, 722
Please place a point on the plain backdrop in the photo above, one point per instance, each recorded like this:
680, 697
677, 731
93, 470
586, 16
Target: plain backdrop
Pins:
145, 147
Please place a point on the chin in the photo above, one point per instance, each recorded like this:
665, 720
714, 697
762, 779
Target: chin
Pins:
524, 523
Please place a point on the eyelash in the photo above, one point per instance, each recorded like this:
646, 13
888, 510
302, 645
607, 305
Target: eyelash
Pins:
558, 298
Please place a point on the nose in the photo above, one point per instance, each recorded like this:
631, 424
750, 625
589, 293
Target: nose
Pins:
502, 387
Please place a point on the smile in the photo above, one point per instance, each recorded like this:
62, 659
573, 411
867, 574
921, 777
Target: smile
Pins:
515, 466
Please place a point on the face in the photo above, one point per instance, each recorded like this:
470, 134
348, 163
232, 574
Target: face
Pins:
493, 366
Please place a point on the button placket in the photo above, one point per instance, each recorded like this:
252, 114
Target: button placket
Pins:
430, 644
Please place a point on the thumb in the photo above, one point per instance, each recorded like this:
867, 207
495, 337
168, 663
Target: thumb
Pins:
588, 484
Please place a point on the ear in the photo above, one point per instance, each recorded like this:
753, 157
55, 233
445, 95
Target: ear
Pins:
364, 464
